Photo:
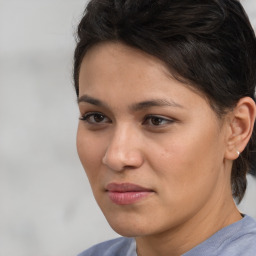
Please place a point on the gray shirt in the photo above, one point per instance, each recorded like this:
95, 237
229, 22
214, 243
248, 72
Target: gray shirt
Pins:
236, 239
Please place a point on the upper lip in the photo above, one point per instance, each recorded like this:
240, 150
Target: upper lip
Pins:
125, 187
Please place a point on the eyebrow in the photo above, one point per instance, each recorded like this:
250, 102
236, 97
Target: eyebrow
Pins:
135, 107
91, 100
155, 103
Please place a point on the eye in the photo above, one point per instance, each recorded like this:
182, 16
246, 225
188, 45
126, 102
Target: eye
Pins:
95, 118
153, 120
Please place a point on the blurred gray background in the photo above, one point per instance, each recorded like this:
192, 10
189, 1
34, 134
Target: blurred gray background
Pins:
46, 206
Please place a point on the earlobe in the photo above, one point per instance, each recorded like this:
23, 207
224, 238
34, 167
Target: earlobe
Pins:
241, 122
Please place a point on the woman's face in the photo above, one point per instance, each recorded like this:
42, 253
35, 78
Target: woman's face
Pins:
152, 148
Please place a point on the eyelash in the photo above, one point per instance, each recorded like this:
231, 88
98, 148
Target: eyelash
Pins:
148, 120
157, 118
86, 117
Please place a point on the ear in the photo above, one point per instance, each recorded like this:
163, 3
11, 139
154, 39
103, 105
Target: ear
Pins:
241, 122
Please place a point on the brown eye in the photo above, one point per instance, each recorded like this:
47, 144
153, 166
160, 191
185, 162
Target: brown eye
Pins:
95, 118
157, 120
152, 120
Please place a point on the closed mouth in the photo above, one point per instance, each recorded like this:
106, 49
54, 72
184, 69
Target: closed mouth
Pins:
126, 193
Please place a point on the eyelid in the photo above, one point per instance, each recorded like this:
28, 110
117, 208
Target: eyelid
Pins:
87, 115
146, 121
164, 118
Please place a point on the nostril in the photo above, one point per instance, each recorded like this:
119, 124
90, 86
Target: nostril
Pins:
120, 160
113, 161
104, 159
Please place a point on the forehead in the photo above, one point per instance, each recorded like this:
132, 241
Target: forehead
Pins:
107, 54
121, 71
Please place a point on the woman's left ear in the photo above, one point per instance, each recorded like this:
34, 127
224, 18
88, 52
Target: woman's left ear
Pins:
240, 124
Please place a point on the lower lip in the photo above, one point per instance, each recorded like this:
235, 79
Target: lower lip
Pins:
125, 198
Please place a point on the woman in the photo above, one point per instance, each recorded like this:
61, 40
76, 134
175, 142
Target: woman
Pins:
166, 95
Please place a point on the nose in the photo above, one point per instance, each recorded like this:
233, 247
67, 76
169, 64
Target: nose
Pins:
124, 150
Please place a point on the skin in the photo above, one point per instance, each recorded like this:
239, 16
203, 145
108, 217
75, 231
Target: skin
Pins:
184, 158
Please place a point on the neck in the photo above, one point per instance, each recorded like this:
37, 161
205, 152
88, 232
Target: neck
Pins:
192, 232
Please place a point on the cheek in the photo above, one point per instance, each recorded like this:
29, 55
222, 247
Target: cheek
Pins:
91, 151
188, 164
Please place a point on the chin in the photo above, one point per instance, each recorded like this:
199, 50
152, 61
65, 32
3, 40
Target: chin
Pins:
128, 231
130, 226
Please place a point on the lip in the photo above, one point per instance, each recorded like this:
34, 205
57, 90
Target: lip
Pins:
127, 193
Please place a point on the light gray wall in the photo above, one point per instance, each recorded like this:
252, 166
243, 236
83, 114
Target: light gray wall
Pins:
46, 207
